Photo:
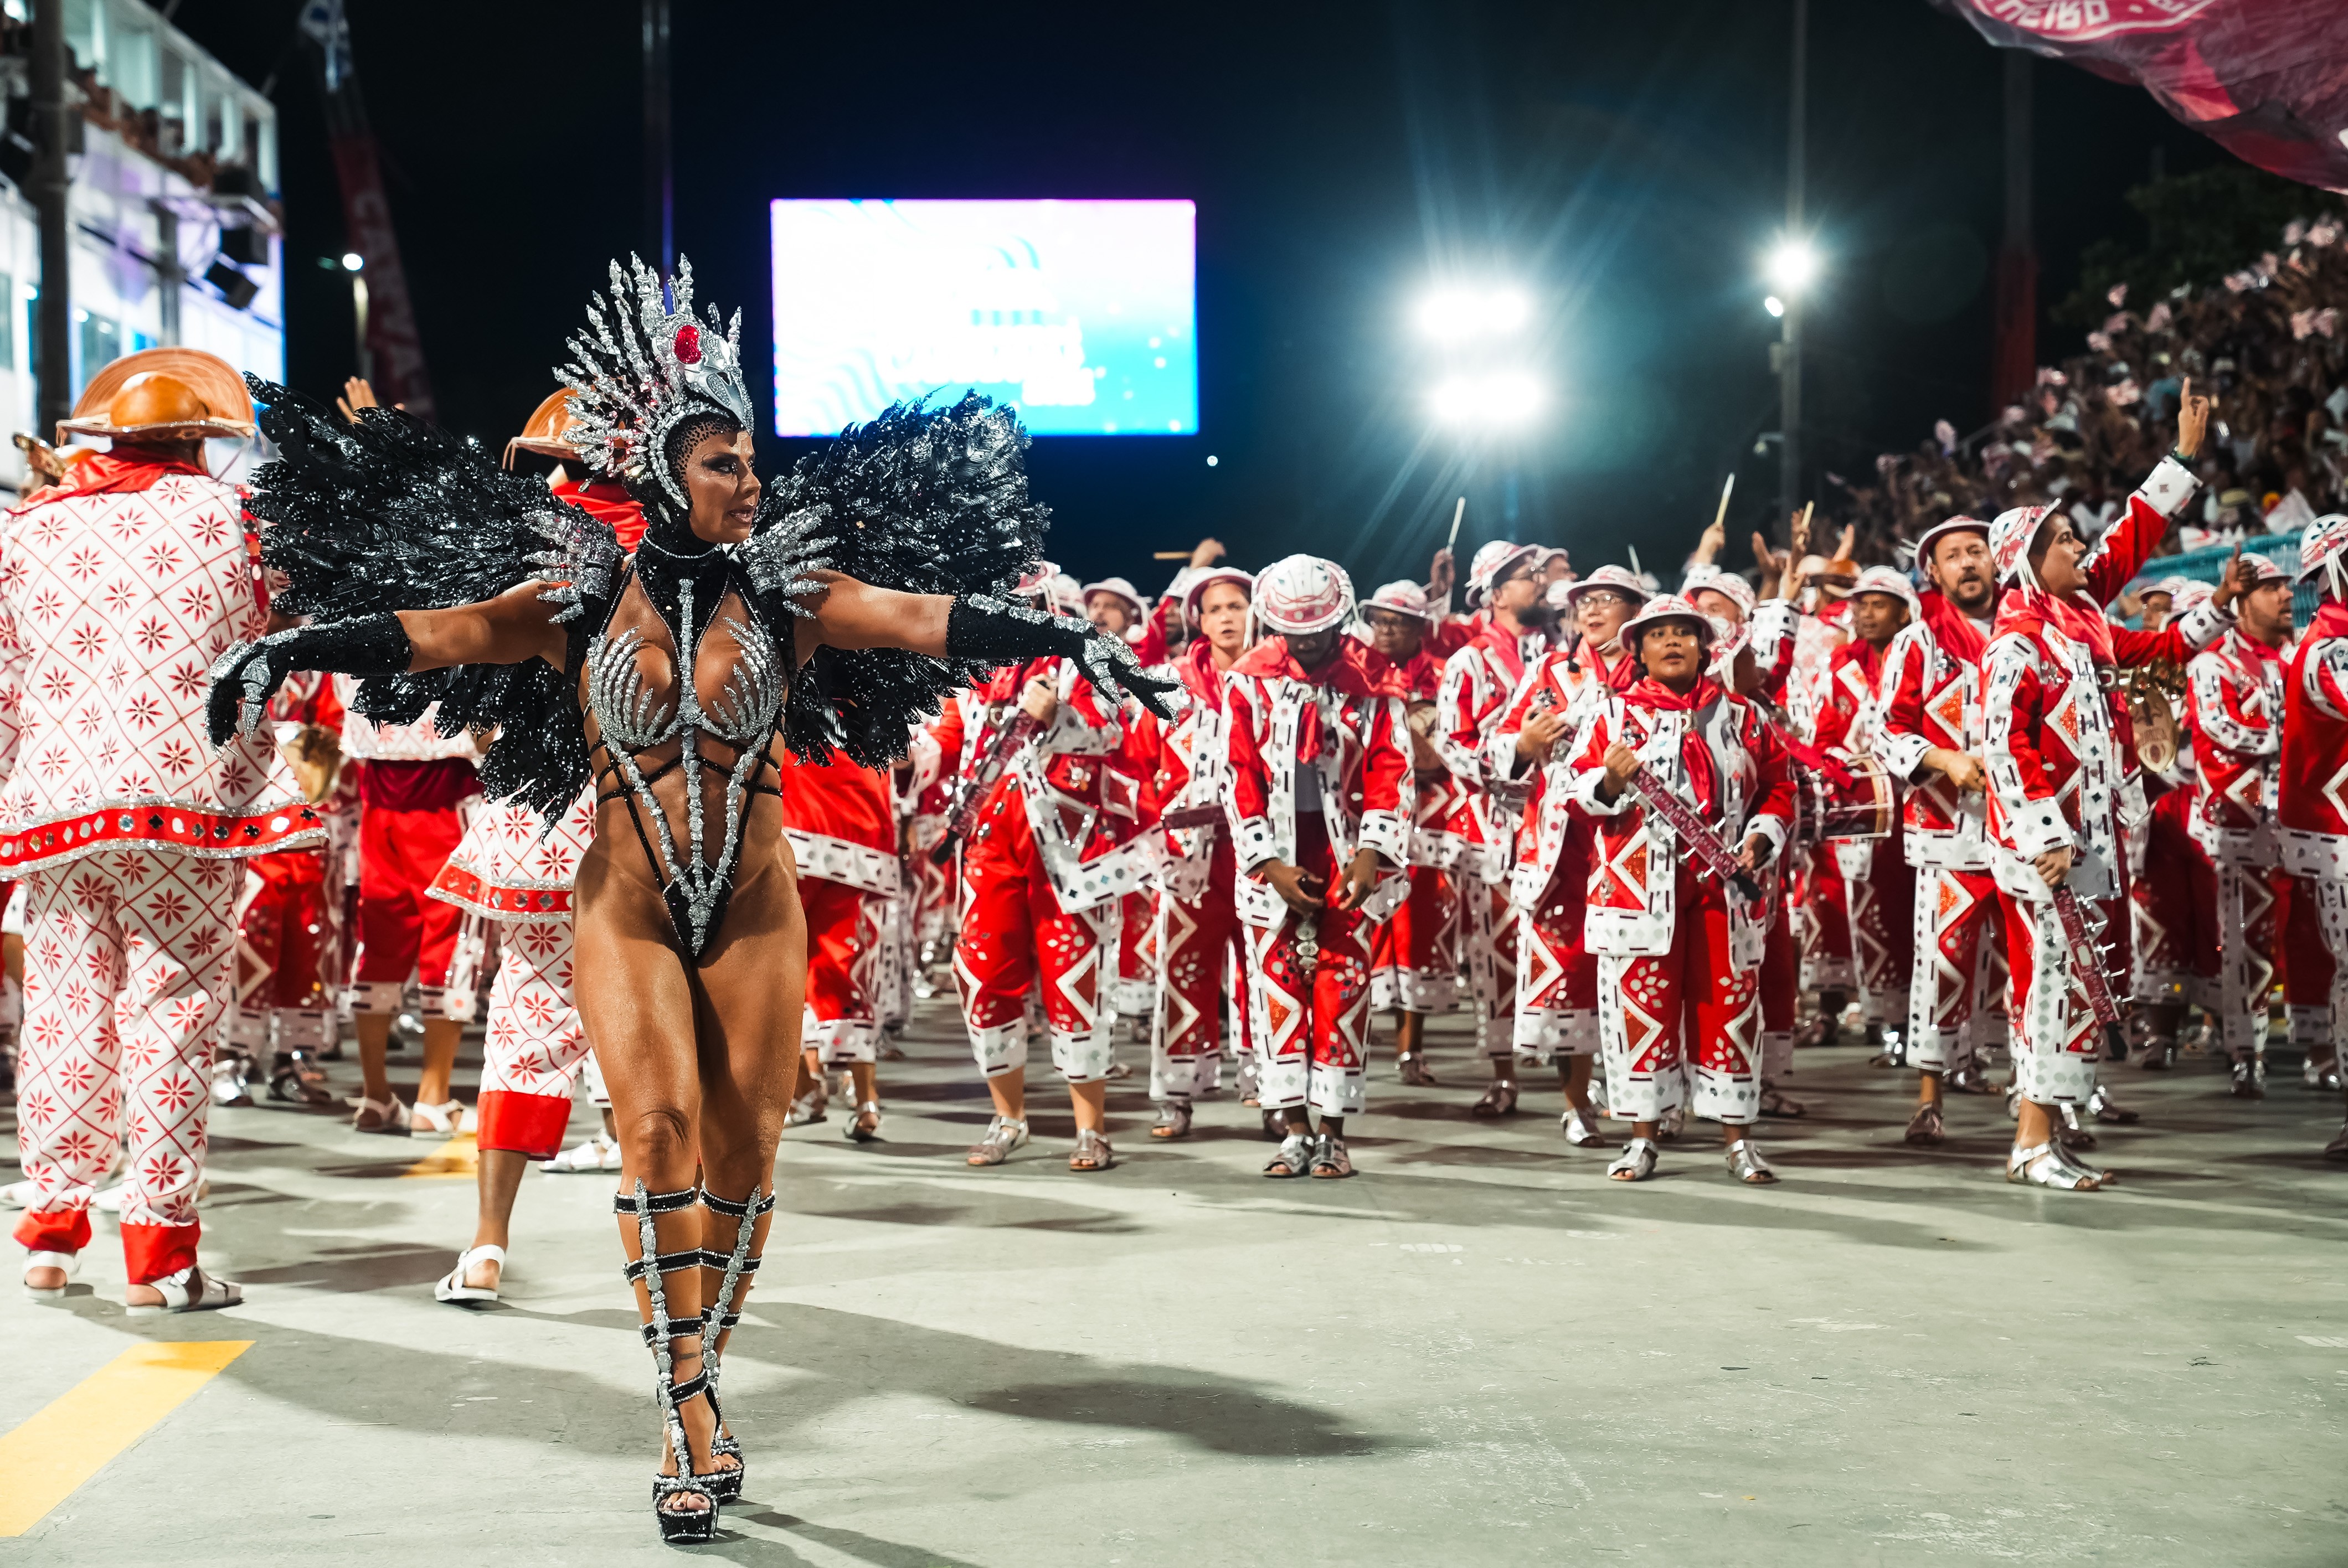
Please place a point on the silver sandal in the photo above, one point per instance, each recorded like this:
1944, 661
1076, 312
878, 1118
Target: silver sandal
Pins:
1092, 1151
855, 1132
1746, 1164
1002, 1136
1293, 1158
1635, 1164
1581, 1129
2043, 1165
190, 1290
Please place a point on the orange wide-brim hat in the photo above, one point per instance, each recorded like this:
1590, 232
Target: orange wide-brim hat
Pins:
544, 433
163, 394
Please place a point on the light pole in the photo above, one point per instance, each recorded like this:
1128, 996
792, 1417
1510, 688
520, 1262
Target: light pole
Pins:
354, 264
1791, 268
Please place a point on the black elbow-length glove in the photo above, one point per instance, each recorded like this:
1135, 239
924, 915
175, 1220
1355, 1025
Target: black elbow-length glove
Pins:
246, 676
992, 632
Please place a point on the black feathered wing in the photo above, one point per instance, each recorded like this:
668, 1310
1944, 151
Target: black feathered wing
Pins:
392, 513
922, 500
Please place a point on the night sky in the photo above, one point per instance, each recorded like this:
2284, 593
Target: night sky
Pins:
1625, 162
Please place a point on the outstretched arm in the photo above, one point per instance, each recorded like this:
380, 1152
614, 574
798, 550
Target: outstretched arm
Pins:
517, 625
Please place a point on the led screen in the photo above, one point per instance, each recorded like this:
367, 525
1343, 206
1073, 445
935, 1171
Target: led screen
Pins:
1081, 312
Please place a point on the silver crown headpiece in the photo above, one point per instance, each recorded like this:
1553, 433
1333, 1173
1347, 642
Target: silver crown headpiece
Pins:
635, 375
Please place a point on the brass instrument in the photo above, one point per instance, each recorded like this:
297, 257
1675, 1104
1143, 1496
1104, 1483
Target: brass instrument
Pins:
2153, 693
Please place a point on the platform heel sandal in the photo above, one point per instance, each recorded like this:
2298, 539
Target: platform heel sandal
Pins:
719, 1316
653, 1265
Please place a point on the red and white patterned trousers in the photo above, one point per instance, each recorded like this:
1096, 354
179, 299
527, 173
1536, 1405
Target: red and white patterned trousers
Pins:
1014, 933
1822, 923
533, 1046
1879, 891
1313, 995
1415, 955
1202, 954
285, 937
2308, 971
129, 960
1959, 919
1487, 925
2172, 912
1682, 1028
1557, 976
2056, 1041
840, 1022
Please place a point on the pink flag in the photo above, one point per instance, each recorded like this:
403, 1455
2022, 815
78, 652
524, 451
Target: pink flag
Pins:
2267, 79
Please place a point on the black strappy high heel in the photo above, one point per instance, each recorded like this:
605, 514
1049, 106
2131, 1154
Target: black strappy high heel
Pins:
651, 1266
719, 1316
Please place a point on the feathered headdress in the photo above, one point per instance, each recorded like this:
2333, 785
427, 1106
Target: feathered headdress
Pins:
636, 377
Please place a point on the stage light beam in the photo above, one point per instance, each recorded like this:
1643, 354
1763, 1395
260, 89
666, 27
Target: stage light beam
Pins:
1792, 266
1499, 400
1463, 315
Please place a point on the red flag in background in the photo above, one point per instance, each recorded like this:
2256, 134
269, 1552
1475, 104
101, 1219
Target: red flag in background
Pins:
2266, 79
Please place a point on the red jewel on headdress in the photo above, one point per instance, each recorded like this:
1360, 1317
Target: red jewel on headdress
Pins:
688, 345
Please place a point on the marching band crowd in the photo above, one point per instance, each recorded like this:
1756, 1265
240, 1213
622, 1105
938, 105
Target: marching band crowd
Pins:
1617, 824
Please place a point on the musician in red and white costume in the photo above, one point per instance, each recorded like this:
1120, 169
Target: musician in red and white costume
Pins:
1055, 846
1930, 735
1415, 955
2173, 889
1557, 974
119, 588
1504, 585
2234, 705
2056, 744
1678, 952
2312, 818
1321, 807
1877, 889
1115, 605
1202, 954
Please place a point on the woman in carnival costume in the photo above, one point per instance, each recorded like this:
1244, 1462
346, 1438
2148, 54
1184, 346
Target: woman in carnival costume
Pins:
830, 609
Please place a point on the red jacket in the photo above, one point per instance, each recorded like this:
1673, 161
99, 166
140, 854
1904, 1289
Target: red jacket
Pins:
2314, 756
1932, 700
2233, 701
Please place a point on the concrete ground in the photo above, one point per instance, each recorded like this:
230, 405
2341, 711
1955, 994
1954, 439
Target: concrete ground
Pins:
1477, 1351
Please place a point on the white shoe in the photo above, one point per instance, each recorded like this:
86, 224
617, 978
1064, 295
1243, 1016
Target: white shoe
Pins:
68, 1261
190, 1290
396, 1122
448, 1118
600, 1153
452, 1286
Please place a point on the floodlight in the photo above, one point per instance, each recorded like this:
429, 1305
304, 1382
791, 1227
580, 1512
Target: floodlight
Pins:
1501, 398
353, 261
1774, 305
1792, 266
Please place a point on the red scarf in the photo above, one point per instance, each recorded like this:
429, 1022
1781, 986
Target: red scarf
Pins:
1958, 635
1504, 647
2030, 610
1695, 751
607, 500
130, 468
1355, 670
1199, 673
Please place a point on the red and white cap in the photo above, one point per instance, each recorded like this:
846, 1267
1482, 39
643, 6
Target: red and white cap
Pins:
1934, 535
1122, 588
1405, 598
1065, 597
2322, 544
1196, 589
1490, 561
1887, 579
1732, 639
1727, 584
1034, 582
1621, 581
2171, 586
1298, 595
1668, 607
2010, 538
2263, 568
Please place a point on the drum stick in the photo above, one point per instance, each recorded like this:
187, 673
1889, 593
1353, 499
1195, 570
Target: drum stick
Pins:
1169, 555
1720, 517
1458, 512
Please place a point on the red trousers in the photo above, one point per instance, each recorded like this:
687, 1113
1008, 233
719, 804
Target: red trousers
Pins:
1682, 1028
285, 943
401, 930
1313, 988
1959, 917
1415, 955
1201, 965
2173, 911
1822, 923
1781, 991
1879, 896
1557, 976
1015, 934
844, 948
2307, 972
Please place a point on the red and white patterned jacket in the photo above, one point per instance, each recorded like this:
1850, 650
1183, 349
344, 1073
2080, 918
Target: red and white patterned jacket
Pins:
2313, 764
1932, 700
1078, 783
1445, 832
1477, 684
1346, 722
1193, 771
841, 821
365, 741
1569, 685
512, 865
1714, 751
117, 590
2233, 701
2055, 737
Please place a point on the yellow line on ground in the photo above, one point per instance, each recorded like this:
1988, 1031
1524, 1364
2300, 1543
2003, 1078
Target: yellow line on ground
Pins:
456, 1157
70, 1440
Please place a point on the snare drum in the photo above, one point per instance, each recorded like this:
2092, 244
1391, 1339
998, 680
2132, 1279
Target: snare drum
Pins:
1867, 806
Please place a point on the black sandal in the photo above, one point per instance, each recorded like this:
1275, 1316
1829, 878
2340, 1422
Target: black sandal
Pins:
718, 1317
653, 1265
